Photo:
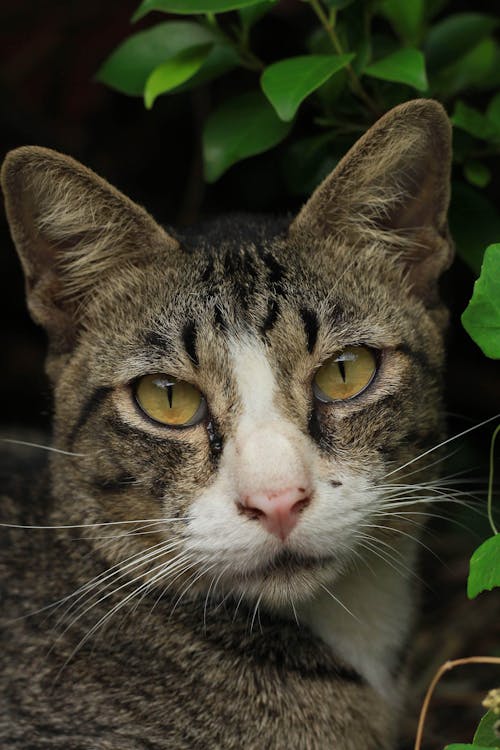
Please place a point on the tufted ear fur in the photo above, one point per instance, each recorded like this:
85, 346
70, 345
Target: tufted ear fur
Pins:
392, 190
71, 230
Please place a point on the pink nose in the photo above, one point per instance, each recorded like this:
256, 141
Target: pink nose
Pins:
278, 511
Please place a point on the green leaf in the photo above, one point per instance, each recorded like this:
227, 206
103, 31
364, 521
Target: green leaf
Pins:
174, 71
434, 7
481, 318
465, 747
486, 735
253, 13
479, 68
404, 66
477, 173
474, 222
222, 58
406, 18
456, 35
493, 111
474, 122
187, 7
129, 66
241, 127
484, 572
288, 82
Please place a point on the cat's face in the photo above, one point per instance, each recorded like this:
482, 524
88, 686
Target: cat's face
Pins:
304, 361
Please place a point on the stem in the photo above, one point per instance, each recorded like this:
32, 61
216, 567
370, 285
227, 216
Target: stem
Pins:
490, 481
247, 58
328, 25
442, 669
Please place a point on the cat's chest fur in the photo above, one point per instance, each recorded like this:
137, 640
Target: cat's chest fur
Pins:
224, 550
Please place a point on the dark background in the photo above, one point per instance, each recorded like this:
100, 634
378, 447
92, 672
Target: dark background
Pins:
49, 53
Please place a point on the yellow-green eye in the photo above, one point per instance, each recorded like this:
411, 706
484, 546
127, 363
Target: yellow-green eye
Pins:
170, 401
345, 375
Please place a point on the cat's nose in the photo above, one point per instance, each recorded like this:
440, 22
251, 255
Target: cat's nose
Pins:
278, 511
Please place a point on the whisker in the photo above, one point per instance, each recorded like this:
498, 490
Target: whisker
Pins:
444, 442
403, 533
43, 447
398, 563
108, 615
201, 573
91, 525
256, 609
337, 600
79, 613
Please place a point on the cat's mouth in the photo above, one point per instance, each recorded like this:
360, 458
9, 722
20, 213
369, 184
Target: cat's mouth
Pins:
289, 563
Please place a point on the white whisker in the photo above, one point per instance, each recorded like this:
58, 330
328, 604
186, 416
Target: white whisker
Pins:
444, 442
44, 447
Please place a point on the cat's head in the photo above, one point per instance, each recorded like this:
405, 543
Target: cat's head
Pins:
246, 391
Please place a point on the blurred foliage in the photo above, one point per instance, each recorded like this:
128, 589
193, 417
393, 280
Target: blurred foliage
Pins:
355, 60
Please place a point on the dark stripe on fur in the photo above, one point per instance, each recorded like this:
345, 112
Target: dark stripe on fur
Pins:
173, 450
122, 483
420, 358
189, 340
157, 341
273, 310
219, 319
311, 327
90, 406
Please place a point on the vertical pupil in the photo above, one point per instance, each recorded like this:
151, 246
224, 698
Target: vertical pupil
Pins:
341, 369
170, 394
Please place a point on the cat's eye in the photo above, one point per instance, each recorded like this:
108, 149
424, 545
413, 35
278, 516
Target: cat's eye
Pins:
345, 375
170, 401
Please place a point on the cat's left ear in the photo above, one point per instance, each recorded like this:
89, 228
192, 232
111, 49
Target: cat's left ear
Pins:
391, 190
73, 231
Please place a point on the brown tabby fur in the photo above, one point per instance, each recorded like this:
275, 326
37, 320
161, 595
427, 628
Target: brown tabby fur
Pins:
121, 297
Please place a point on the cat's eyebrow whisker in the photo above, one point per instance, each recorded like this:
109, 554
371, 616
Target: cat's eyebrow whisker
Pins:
444, 442
50, 448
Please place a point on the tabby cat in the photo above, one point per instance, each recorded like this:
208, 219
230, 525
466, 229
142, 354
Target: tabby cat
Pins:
220, 554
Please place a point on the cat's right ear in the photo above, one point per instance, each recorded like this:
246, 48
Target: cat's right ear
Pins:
391, 190
71, 230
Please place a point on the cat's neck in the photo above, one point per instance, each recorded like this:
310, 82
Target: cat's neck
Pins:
366, 617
